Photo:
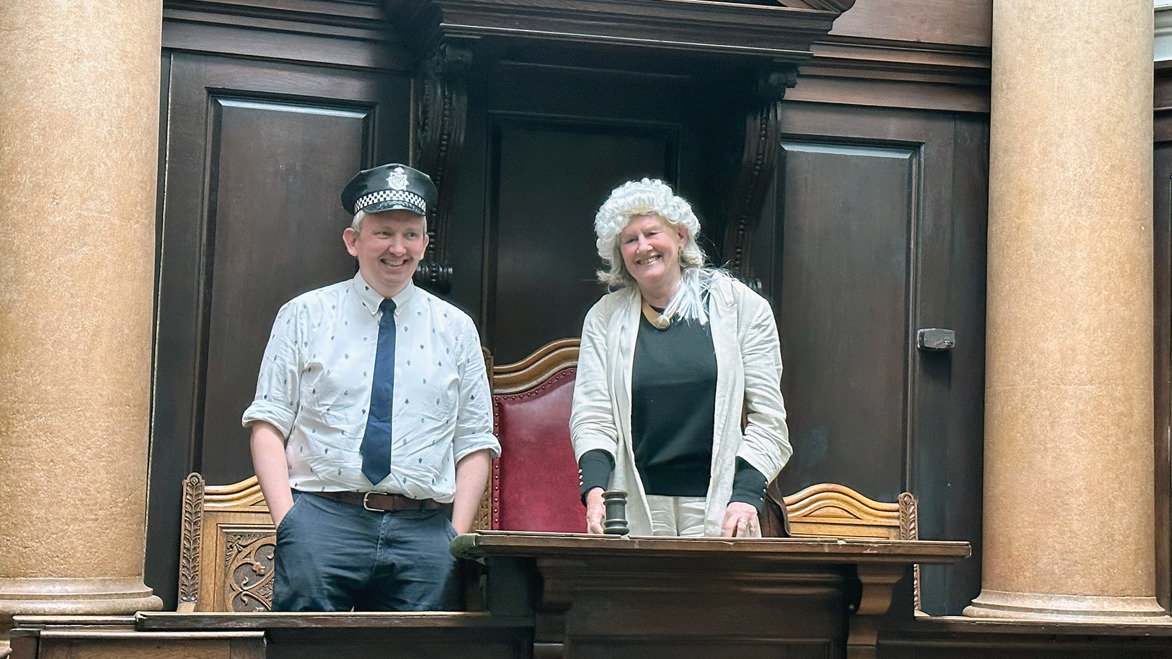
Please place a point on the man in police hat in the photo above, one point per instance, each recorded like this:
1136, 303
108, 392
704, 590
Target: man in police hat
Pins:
372, 422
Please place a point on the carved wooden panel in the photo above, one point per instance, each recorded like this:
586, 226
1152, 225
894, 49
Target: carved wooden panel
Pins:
228, 539
248, 566
849, 222
441, 114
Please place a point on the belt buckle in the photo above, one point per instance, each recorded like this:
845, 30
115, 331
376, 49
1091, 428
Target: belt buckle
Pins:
366, 503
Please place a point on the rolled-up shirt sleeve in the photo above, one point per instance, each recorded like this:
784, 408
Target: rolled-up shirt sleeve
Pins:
474, 418
278, 382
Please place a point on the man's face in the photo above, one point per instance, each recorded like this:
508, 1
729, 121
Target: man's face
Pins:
388, 249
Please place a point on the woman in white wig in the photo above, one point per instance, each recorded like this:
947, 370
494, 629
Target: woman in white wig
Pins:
671, 360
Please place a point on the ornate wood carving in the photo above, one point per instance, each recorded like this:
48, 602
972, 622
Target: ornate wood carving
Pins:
226, 553
759, 152
836, 511
909, 529
248, 564
441, 117
193, 490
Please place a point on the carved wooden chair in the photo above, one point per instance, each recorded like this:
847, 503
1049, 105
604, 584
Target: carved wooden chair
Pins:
534, 485
829, 510
226, 547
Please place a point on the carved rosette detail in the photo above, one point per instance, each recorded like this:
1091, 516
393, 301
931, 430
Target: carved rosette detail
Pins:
193, 491
441, 112
248, 563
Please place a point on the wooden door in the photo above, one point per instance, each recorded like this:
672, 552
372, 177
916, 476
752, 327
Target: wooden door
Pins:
256, 156
880, 232
546, 145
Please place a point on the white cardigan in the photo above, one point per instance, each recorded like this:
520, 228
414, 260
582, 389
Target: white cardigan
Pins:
748, 366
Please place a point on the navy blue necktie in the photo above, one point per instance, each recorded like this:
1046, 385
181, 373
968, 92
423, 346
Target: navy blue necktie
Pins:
376, 443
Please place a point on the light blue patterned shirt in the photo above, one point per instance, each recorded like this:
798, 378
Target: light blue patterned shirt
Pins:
315, 381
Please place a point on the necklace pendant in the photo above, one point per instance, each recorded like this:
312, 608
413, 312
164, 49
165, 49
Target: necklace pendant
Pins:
658, 321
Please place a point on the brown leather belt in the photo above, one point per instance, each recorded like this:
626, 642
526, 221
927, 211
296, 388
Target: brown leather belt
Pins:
383, 503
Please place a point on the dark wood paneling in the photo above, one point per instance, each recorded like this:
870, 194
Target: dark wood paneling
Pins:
541, 252
1162, 326
955, 467
880, 231
924, 54
953, 22
257, 155
553, 141
350, 33
844, 310
267, 248
876, 228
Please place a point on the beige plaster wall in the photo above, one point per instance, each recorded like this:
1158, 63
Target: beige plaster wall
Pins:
79, 99
1068, 454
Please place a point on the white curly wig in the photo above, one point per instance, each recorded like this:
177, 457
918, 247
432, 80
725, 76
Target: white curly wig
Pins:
641, 198
645, 197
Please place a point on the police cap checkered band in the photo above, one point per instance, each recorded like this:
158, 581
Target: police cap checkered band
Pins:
388, 187
389, 199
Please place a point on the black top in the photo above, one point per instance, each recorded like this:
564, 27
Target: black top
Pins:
673, 409
673, 405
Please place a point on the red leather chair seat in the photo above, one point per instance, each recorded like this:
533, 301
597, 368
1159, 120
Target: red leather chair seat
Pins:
535, 481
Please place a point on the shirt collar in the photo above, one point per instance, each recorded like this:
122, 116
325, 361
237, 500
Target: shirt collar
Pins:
371, 299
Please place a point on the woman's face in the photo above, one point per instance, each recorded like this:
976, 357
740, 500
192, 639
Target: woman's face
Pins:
651, 251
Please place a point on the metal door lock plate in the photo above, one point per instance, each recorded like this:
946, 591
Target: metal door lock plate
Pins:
935, 339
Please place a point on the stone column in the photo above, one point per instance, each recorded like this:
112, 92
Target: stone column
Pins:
79, 104
1068, 527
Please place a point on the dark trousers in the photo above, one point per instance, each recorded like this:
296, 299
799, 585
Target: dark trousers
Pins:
335, 556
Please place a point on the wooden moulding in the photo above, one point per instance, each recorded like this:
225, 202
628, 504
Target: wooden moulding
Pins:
536, 368
836, 511
764, 32
830, 510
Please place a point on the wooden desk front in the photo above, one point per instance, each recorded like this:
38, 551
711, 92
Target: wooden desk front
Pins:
607, 596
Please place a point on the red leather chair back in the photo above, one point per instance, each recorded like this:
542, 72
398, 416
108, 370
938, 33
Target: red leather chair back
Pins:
535, 481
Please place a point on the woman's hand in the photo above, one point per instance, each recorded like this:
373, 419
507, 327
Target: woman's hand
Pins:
740, 521
595, 512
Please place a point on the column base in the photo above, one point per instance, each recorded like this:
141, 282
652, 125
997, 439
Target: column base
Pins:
50, 596
1046, 606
